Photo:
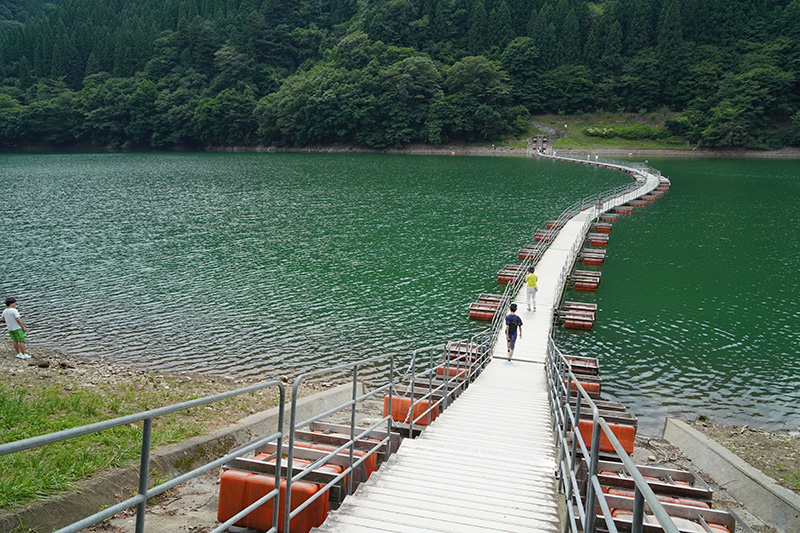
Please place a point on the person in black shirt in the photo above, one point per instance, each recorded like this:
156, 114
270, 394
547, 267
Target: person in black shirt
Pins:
513, 322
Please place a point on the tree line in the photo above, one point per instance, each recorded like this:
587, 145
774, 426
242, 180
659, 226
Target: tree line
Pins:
161, 73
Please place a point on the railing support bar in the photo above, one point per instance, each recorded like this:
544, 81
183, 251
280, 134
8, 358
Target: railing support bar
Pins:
144, 471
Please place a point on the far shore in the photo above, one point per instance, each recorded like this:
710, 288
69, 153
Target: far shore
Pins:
615, 152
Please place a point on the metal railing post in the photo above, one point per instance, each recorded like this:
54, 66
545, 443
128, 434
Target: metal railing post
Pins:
447, 374
389, 418
413, 395
574, 451
353, 428
638, 511
276, 501
595, 456
287, 510
144, 471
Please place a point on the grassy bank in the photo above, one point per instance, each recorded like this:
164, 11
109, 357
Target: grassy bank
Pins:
628, 125
69, 393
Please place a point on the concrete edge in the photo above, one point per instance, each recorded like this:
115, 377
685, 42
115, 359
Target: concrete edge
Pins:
172, 460
771, 503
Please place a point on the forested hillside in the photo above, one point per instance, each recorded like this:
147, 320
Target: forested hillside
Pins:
162, 73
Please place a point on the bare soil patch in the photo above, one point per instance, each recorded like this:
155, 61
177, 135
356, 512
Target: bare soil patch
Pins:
776, 454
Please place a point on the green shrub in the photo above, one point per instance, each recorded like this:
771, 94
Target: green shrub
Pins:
631, 132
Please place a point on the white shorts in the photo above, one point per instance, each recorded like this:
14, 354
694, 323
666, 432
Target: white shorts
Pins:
532, 295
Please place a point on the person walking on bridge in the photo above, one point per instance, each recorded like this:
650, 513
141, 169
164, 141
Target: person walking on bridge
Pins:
513, 322
530, 281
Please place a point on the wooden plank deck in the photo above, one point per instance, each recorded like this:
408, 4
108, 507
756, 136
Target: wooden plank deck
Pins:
488, 462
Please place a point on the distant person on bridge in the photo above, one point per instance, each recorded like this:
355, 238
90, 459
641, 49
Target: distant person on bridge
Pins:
512, 323
530, 282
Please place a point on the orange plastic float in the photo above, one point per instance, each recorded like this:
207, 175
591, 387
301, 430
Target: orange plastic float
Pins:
238, 489
625, 434
401, 407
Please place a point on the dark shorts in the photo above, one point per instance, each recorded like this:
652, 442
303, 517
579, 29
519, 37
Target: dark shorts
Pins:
512, 340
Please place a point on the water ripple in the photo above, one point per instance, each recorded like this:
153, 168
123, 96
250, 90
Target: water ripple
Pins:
267, 264
698, 310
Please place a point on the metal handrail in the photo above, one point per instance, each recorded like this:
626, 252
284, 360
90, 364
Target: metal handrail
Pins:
352, 463
140, 499
561, 381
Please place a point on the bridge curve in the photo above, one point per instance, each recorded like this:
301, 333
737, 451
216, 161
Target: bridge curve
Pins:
488, 462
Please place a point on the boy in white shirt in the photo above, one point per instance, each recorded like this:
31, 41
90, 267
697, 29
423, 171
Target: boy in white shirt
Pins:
15, 328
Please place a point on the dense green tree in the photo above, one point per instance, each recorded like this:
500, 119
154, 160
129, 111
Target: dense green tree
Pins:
794, 134
10, 117
500, 26
174, 113
544, 36
51, 117
477, 102
234, 67
670, 48
391, 22
638, 87
478, 33
568, 88
342, 10
140, 128
385, 72
640, 26
520, 60
402, 102
106, 110
730, 124
25, 77
702, 78
569, 39
593, 47
226, 119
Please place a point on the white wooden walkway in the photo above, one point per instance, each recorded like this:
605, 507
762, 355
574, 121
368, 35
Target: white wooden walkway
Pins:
488, 462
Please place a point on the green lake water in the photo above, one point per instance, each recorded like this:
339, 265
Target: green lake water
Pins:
698, 309
273, 264
266, 264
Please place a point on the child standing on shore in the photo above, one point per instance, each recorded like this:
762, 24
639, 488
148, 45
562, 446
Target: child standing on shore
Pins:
15, 328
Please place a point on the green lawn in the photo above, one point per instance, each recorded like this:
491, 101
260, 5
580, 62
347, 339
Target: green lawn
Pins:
576, 125
27, 411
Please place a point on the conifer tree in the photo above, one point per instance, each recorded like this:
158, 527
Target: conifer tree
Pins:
544, 36
593, 48
670, 48
478, 34
24, 77
500, 25
569, 42
640, 27
614, 40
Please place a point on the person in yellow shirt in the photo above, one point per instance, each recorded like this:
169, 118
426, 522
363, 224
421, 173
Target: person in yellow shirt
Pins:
531, 280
